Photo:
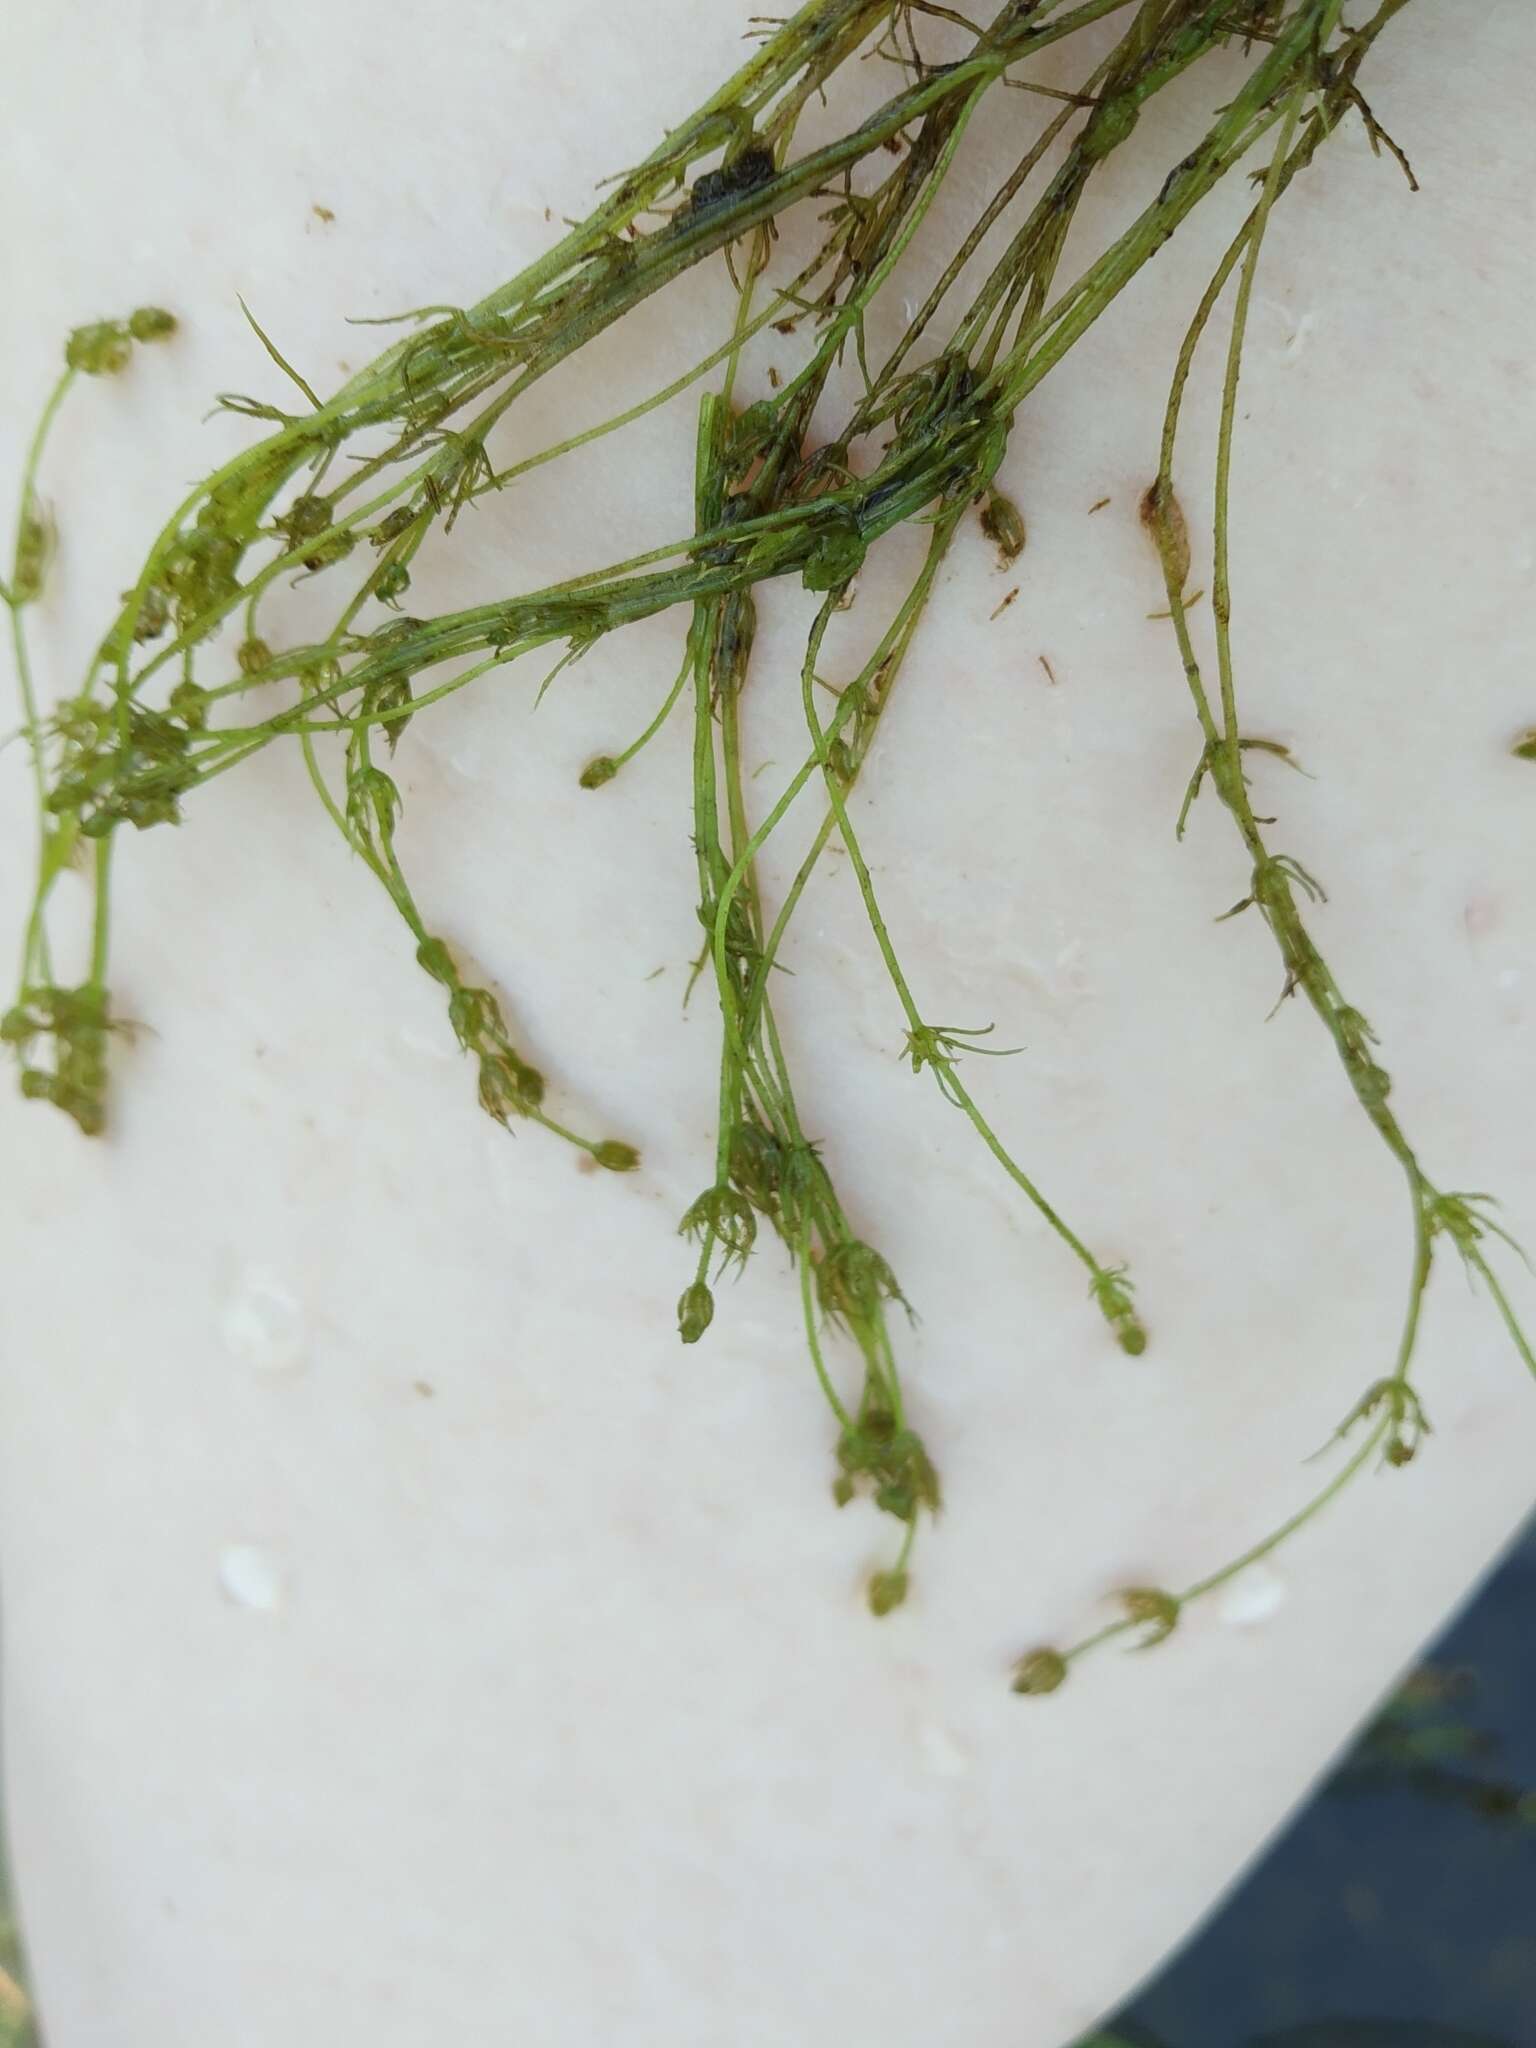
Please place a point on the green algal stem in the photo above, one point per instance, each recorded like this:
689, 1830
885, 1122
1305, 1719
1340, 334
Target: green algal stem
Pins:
898, 489
1274, 880
1401, 1423
509, 1085
22, 589
836, 1272
928, 1046
1173, 1604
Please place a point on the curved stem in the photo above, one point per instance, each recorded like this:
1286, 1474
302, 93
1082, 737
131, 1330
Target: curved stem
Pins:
35, 952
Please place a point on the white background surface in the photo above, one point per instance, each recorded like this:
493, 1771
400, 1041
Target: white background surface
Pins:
542, 1708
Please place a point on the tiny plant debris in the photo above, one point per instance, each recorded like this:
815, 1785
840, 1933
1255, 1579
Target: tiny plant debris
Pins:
1003, 524
352, 488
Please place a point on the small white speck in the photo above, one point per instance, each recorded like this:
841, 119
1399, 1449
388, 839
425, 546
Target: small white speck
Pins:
454, 751
264, 1325
1299, 333
1509, 977
1252, 1597
250, 1578
944, 1754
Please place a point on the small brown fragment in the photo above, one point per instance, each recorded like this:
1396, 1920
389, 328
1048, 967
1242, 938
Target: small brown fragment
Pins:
323, 213
1008, 600
1097, 506
1050, 673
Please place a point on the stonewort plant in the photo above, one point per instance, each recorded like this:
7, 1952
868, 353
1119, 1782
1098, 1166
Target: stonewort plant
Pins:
352, 488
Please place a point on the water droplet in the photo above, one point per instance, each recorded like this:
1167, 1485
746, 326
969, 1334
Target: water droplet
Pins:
1298, 340
1252, 1597
249, 1577
943, 1752
432, 1045
264, 1325
1290, 330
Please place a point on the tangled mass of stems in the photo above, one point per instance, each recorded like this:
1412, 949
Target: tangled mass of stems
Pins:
351, 489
